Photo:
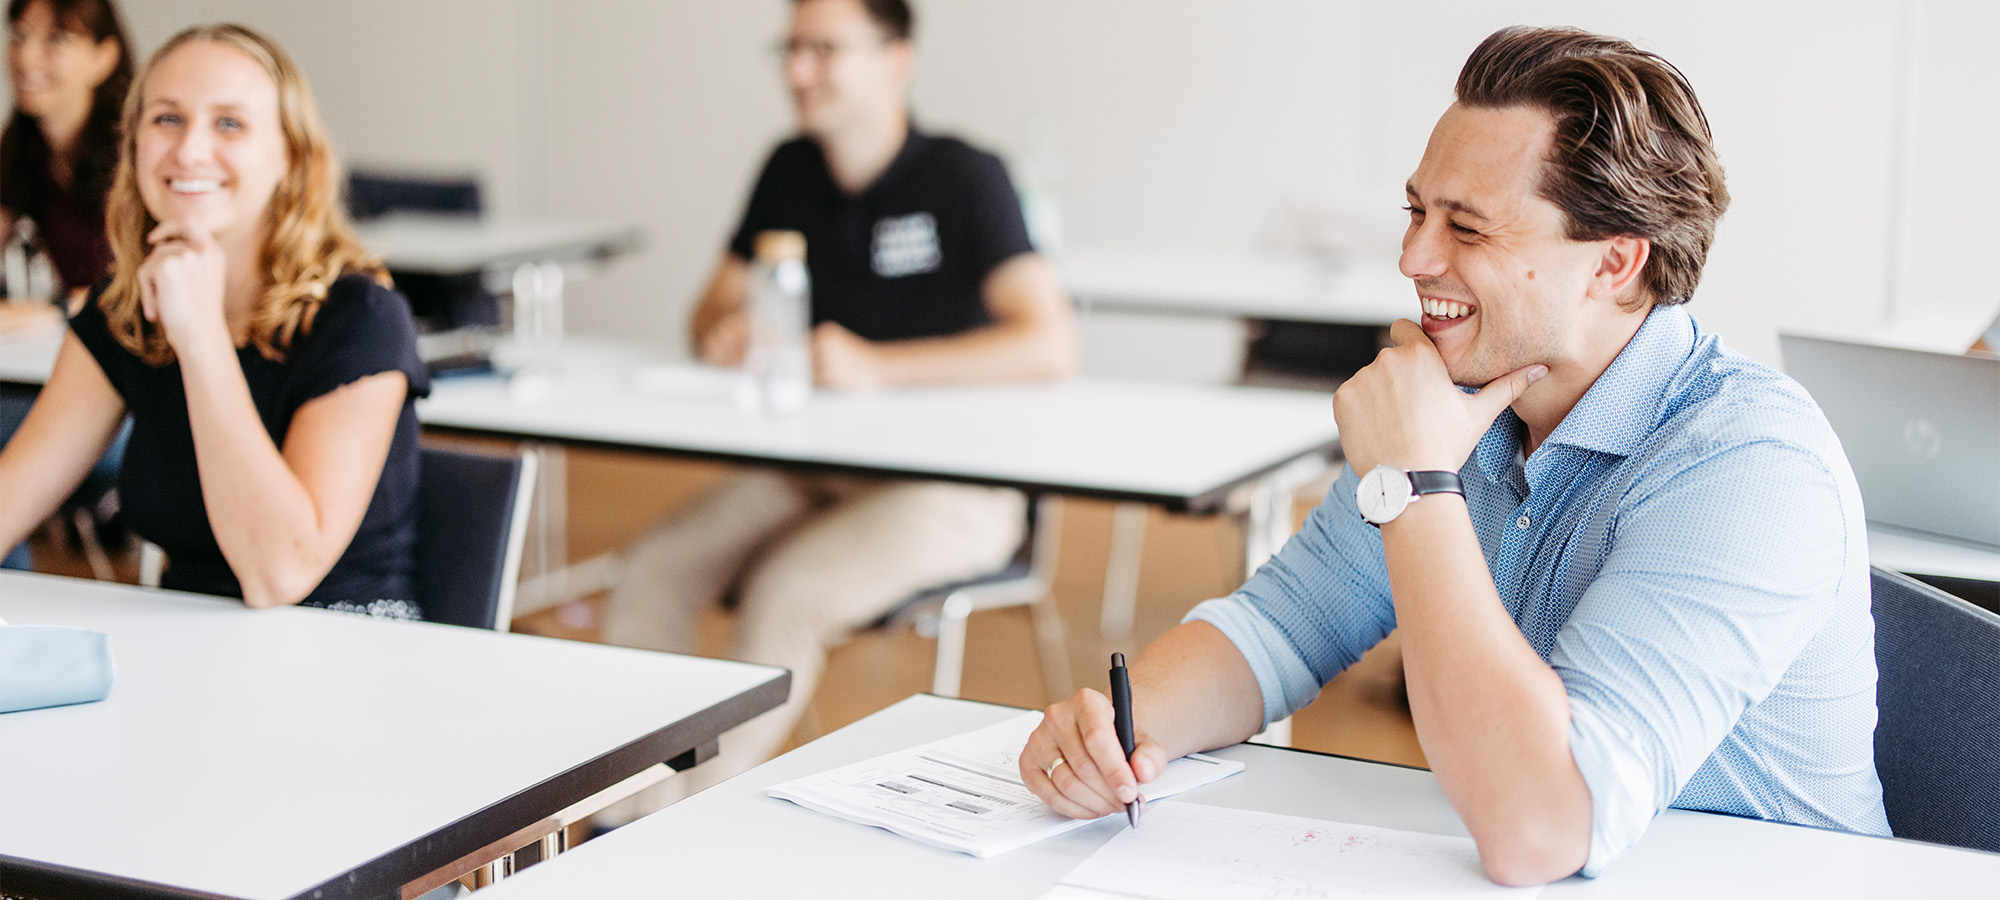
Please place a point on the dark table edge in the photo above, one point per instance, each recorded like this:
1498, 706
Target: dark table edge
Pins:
385, 875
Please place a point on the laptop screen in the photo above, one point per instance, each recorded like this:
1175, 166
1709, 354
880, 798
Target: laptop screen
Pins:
1921, 429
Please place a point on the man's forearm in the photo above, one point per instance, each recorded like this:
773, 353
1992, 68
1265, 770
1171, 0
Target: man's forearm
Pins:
1192, 690
1492, 716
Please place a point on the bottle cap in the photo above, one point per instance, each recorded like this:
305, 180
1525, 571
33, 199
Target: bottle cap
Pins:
780, 246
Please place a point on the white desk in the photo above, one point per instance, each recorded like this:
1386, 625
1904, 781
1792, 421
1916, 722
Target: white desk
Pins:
1196, 448
1185, 447
1251, 285
1917, 554
453, 245
301, 753
732, 840
27, 357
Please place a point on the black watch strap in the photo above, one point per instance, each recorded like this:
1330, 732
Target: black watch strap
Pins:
1436, 482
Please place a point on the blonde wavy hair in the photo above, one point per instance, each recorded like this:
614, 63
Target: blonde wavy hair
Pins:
308, 242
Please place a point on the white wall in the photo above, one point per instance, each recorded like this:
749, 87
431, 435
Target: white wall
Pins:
1855, 132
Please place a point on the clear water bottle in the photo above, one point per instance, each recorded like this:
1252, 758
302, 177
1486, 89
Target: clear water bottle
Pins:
777, 366
30, 274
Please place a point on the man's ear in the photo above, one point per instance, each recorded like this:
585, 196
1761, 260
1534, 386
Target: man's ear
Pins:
903, 55
1619, 266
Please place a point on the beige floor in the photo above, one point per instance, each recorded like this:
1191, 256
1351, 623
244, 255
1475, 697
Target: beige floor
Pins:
1187, 559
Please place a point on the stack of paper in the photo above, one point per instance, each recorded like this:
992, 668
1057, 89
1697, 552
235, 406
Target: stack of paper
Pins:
1193, 852
965, 793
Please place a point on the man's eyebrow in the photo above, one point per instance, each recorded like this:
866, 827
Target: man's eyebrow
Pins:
1460, 206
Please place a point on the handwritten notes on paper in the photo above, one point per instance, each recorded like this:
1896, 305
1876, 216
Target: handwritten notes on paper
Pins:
965, 793
1186, 851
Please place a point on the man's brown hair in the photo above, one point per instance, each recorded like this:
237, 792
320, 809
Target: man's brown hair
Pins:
893, 17
1631, 154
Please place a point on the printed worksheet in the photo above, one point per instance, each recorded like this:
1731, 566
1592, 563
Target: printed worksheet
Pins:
1187, 851
965, 793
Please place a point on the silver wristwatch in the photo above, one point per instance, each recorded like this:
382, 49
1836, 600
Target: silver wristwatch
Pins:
1386, 490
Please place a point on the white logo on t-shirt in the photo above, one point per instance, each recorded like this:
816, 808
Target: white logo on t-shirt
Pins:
907, 245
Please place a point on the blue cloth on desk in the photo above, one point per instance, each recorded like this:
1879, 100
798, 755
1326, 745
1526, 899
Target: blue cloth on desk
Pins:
49, 665
1687, 552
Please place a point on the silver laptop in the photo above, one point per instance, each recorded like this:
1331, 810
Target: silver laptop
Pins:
1921, 429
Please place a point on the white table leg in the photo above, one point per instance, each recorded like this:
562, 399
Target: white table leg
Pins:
1267, 525
1121, 571
549, 545
1267, 508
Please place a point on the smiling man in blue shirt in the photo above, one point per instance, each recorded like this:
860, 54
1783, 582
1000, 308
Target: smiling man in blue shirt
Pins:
1629, 570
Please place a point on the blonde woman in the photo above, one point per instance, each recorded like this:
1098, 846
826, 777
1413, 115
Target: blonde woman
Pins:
270, 372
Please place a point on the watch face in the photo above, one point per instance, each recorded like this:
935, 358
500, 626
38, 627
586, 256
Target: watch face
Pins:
1383, 493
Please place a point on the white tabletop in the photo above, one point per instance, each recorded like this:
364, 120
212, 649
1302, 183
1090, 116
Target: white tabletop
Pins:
451, 245
27, 356
1917, 554
1179, 445
1352, 291
296, 752
732, 840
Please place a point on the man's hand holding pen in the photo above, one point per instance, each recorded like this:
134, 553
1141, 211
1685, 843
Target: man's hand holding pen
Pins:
1073, 760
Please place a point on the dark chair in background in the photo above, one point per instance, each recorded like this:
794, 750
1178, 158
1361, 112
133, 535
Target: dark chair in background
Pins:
372, 194
1937, 740
472, 521
1308, 355
440, 302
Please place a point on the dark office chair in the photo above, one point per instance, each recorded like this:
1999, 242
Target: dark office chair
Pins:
941, 612
472, 520
1937, 740
440, 302
374, 193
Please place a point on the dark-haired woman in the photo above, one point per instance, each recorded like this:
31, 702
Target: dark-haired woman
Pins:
70, 64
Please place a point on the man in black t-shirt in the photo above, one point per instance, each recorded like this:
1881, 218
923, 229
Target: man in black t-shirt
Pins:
921, 274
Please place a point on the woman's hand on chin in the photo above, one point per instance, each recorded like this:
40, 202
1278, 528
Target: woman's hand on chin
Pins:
181, 288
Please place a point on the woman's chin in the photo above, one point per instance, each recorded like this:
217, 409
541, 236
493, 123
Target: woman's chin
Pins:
189, 215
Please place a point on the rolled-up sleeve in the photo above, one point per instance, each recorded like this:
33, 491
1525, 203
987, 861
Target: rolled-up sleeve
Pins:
1313, 608
1721, 572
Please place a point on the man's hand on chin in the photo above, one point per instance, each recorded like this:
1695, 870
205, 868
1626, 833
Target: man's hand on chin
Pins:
1403, 410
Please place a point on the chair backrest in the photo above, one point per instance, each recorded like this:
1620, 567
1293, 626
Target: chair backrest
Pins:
472, 521
370, 194
1937, 741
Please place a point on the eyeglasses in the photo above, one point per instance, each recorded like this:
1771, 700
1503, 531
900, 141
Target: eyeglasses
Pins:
817, 51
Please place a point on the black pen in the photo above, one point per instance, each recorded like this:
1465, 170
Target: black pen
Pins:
1121, 719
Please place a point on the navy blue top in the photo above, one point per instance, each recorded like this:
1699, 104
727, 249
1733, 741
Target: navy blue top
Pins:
904, 258
362, 329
